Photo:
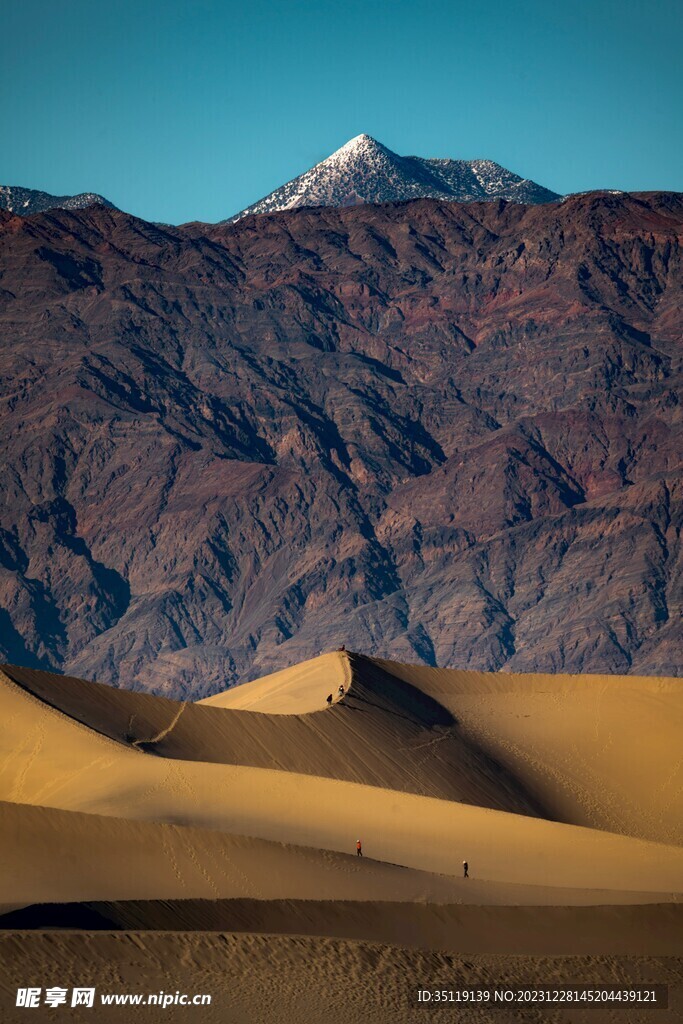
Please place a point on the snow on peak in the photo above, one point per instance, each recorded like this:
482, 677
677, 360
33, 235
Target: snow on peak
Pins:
26, 201
361, 145
365, 171
359, 142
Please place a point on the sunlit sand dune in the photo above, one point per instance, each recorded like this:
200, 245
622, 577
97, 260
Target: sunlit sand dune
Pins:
382, 732
95, 857
242, 812
290, 691
602, 751
51, 760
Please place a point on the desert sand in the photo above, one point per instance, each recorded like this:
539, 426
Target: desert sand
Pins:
237, 817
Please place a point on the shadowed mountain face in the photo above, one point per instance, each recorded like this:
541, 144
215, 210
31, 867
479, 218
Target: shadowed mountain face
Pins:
432, 431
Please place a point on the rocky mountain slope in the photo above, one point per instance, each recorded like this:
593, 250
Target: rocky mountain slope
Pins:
433, 431
365, 171
26, 201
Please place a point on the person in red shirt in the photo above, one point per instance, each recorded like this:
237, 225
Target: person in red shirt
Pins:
359, 848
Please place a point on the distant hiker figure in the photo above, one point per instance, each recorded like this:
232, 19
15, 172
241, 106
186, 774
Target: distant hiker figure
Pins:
329, 698
341, 691
465, 869
359, 848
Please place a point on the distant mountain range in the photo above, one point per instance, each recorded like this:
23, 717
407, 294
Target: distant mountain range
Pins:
365, 171
25, 201
362, 171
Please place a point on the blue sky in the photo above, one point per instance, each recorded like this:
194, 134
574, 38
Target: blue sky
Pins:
178, 111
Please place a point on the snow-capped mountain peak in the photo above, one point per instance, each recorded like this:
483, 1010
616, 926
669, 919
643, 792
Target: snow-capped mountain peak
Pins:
360, 155
365, 171
358, 144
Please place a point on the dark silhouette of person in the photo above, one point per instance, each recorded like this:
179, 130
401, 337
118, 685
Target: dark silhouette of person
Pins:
359, 848
465, 869
329, 698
